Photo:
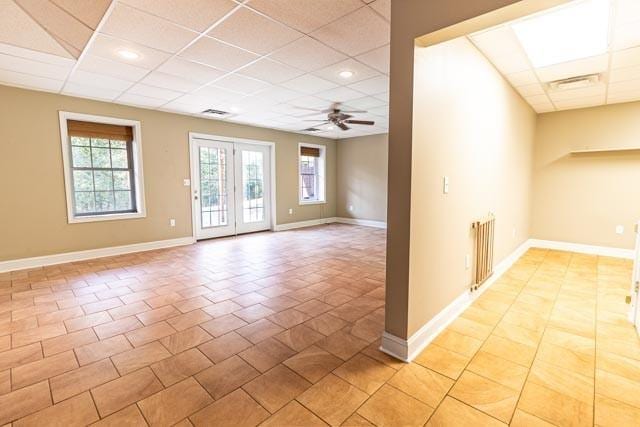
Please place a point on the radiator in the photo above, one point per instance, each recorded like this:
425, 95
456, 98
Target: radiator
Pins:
484, 231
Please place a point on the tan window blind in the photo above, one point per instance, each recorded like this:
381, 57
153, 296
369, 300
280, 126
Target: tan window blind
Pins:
99, 130
309, 151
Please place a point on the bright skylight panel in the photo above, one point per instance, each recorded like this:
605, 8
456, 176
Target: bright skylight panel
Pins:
576, 31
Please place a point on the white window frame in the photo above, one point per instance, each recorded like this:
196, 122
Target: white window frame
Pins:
141, 211
321, 175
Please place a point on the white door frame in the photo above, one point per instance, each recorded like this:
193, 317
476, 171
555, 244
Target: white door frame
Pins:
272, 171
634, 312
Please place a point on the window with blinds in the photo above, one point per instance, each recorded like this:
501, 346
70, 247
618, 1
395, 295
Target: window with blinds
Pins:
311, 168
101, 171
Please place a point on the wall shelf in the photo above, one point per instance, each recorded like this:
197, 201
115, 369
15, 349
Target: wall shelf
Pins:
604, 150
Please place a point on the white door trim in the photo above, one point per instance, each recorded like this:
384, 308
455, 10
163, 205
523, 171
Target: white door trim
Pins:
272, 171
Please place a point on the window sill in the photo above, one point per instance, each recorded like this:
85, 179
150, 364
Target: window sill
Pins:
108, 217
312, 202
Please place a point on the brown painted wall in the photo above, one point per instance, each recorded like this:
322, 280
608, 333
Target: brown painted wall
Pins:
33, 220
581, 198
362, 177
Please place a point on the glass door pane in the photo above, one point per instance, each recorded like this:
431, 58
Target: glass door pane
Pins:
252, 186
214, 194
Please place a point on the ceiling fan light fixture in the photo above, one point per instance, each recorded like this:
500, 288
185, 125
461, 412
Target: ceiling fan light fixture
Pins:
346, 74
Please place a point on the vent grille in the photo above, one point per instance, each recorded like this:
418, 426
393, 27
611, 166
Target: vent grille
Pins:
213, 112
575, 82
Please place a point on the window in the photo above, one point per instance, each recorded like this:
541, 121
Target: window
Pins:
312, 173
102, 162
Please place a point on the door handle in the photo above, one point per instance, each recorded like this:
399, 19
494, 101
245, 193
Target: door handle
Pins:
195, 197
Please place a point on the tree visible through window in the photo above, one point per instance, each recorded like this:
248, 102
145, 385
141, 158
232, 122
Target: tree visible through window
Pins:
311, 166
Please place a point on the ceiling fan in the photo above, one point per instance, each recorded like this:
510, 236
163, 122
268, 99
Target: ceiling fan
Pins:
338, 117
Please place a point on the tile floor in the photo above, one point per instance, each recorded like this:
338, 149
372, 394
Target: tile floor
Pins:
283, 330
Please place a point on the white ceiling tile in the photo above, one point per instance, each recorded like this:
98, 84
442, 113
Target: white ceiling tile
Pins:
309, 84
131, 24
580, 67
372, 86
625, 86
496, 42
365, 103
382, 96
181, 107
530, 90
168, 81
380, 111
96, 64
108, 47
625, 58
626, 73
19, 29
140, 101
355, 33
511, 63
340, 94
305, 15
625, 96
217, 54
537, 99
360, 72
378, 59
36, 56
217, 94
591, 101
195, 14
154, 92
271, 71
197, 72
627, 11
581, 93
626, 35
35, 68
256, 33
522, 78
383, 7
200, 102
241, 84
98, 80
307, 102
543, 108
279, 94
307, 54
13, 78
93, 92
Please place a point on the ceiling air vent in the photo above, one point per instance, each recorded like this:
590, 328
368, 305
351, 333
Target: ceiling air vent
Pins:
212, 112
311, 130
575, 82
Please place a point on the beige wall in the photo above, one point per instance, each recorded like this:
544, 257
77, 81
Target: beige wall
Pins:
474, 128
33, 218
362, 177
581, 198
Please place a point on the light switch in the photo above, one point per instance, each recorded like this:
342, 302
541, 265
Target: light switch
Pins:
619, 229
186, 182
445, 185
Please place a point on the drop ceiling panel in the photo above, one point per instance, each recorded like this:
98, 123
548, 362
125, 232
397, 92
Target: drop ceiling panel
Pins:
383, 7
19, 29
530, 90
378, 59
598, 90
309, 84
279, 94
168, 81
141, 101
241, 84
96, 64
254, 32
217, 54
627, 35
197, 72
131, 24
13, 78
36, 56
197, 15
372, 86
88, 12
596, 64
522, 78
154, 92
340, 94
75, 89
355, 33
308, 54
305, 15
626, 73
591, 101
365, 103
35, 68
271, 71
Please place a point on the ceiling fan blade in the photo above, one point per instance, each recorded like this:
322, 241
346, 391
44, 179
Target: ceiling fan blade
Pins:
354, 111
308, 109
342, 126
360, 122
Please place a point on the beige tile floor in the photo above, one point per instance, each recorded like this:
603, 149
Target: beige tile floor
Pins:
283, 330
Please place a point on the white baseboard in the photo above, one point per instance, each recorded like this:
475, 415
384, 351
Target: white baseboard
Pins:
409, 349
41, 261
582, 248
302, 224
364, 222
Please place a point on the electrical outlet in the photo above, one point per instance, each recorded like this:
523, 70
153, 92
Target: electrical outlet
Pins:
619, 229
350, 208
186, 182
172, 222
445, 185
290, 211
467, 261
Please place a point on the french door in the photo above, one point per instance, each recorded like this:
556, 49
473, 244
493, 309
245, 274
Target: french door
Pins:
231, 187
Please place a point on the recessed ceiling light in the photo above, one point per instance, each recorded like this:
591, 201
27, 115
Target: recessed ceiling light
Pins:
128, 54
346, 74
578, 30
